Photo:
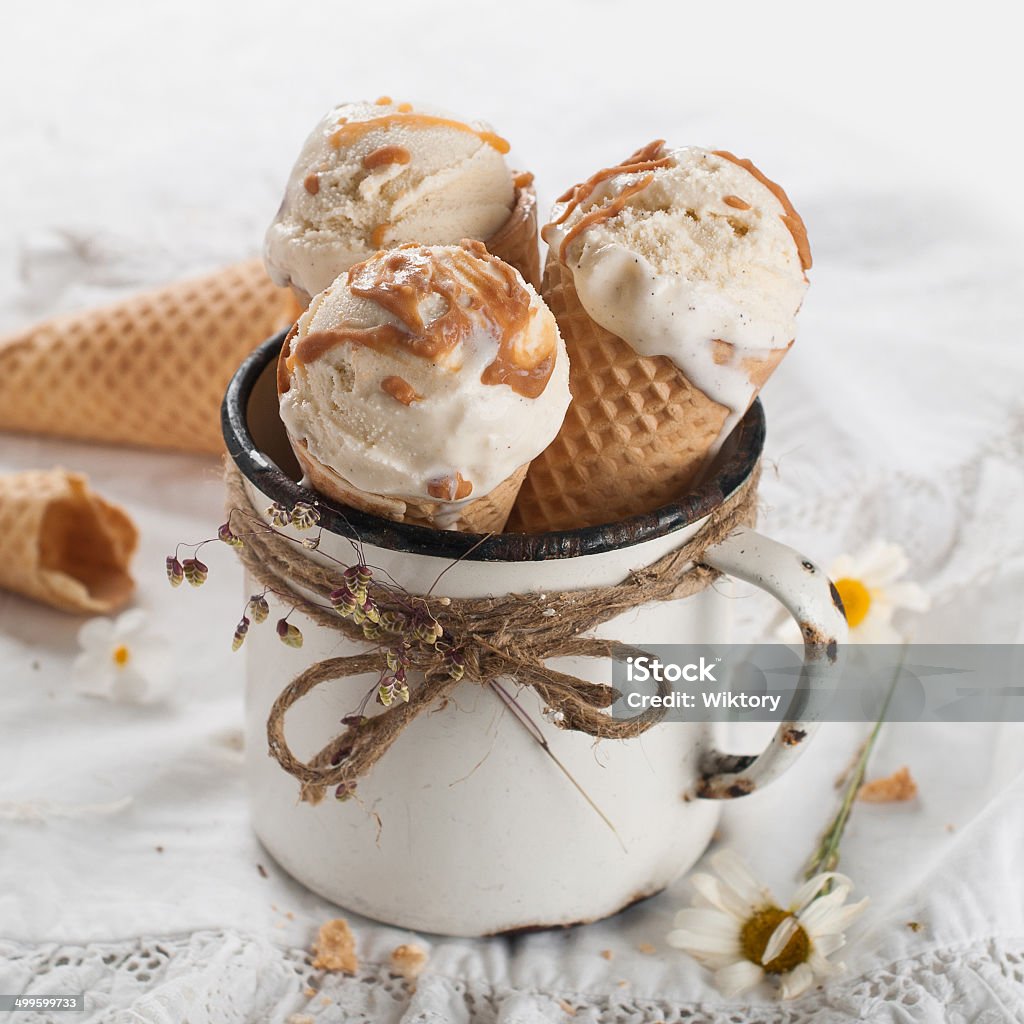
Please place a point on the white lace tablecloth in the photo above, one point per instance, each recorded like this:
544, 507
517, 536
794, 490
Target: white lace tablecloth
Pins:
141, 145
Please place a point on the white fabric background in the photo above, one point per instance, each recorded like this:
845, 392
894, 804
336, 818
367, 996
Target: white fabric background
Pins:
144, 143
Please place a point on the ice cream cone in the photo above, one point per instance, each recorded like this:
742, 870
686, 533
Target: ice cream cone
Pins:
150, 370
635, 436
516, 241
62, 544
486, 514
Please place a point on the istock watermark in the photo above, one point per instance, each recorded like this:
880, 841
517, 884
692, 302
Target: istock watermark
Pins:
759, 683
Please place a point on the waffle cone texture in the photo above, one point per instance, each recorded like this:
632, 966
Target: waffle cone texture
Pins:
517, 241
62, 544
150, 370
635, 436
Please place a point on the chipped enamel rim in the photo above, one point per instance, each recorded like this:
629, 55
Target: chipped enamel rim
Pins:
733, 467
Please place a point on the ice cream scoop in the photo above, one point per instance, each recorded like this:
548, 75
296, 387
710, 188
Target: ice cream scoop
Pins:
421, 383
376, 175
676, 277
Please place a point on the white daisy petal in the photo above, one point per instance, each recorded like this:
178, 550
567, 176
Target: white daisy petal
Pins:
737, 978
803, 896
96, 633
736, 875
837, 920
696, 943
129, 624
796, 982
826, 945
818, 918
911, 596
881, 564
875, 629
720, 896
779, 939
713, 961
703, 919
842, 568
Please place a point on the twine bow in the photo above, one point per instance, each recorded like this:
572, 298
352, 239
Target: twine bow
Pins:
507, 636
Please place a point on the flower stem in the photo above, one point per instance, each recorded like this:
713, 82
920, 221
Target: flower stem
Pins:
826, 856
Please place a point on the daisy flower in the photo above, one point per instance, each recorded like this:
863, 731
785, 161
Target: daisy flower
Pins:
120, 660
736, 929
872, 589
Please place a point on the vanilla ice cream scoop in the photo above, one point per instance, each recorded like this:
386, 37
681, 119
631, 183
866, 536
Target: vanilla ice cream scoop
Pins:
427, 373
376, 175
689, 254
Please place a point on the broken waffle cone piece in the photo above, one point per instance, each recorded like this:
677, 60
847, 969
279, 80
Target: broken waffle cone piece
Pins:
62, 544
150, 370
335, 948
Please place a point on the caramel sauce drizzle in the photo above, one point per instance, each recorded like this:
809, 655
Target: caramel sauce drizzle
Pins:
645, 161
312, 184
386, 155
736, 203
401, 390
450, 488
474, 285
790, 218
377, 235
522, 179
352, 131
603, 213
382, 101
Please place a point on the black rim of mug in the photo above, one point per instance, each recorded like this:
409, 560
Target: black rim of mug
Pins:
733, 467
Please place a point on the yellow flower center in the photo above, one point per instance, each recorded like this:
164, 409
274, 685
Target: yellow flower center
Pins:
856, 600
756, 932
121, 654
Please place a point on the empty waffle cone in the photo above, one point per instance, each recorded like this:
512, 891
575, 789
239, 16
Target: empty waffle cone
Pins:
516, 242
486, 514
62, 544
150, 370
636, 434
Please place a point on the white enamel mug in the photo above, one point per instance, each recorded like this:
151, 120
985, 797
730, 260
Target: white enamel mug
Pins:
465, 826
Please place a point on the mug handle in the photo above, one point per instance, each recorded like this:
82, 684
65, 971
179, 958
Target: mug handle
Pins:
810, 597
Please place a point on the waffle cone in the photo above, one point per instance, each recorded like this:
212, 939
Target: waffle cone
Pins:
150, 370
516, 242
62, 544
486, 514
636, 434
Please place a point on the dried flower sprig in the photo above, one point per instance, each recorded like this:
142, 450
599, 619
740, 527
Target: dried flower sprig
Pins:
405, 624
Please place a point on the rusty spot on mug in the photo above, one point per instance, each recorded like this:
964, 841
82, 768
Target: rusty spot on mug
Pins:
809, 566
791, 737
832, 651
837, 598
725, 789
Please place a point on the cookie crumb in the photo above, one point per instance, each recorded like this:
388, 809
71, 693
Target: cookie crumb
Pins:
262, 870
915, 926
607, 954
335, 948
646, 948
309, 992
567, 1008
300, 1018
896, 788
408, 961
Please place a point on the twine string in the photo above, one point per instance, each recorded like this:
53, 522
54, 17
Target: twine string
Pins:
502, 636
